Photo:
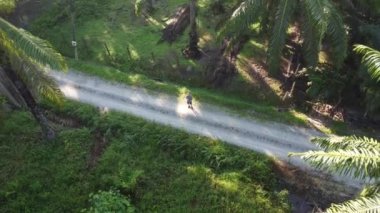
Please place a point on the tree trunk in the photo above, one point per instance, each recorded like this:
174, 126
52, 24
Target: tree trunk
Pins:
193, 50
31, 103
8, 89
177, 24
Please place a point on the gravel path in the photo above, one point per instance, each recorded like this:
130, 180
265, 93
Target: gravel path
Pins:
270, 138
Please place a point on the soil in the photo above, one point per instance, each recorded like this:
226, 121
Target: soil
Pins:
60, 121
97, 150
310, 191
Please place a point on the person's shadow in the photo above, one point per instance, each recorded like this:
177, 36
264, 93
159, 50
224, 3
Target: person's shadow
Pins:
193, 110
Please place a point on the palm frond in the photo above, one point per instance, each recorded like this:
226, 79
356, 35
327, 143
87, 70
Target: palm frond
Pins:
314, 29
359, 162
360, 205
139, 6
337, 35
346, 143
37, 80
277, 42
371, 190
327, 21
246, 14
38, 50
371, 59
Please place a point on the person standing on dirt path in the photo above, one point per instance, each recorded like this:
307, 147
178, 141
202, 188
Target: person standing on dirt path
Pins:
189, 99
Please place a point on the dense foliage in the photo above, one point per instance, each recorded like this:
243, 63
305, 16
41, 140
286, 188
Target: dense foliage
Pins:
156, 168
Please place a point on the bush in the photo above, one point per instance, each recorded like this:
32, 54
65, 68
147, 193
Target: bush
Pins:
109, 201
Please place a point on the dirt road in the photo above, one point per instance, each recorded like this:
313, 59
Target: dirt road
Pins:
270, 138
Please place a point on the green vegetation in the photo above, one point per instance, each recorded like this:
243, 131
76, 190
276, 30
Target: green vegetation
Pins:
371, 60
108, 32
23, 80
7, 6
354, 157
128, 37
110, 201
156, 168
257, 58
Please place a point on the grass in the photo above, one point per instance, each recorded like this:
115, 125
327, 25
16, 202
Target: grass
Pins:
156, 168
110, 34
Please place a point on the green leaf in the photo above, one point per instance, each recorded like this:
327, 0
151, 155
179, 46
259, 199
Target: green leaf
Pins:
346, 143
359, 162
337, 36
360, 205
314, 29
37, 80
371, 59
277, 42
246, 14
39, 51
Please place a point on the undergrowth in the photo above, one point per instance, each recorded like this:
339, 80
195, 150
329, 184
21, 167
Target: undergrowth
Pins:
155, 168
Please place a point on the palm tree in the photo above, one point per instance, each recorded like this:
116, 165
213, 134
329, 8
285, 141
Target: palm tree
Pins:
355, 157
193, 50
23, 71
321, 21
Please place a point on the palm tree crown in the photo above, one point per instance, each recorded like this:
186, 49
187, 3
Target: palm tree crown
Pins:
321, 21
28, 57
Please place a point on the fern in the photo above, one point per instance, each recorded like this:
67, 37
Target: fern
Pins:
277, 41
371, 59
